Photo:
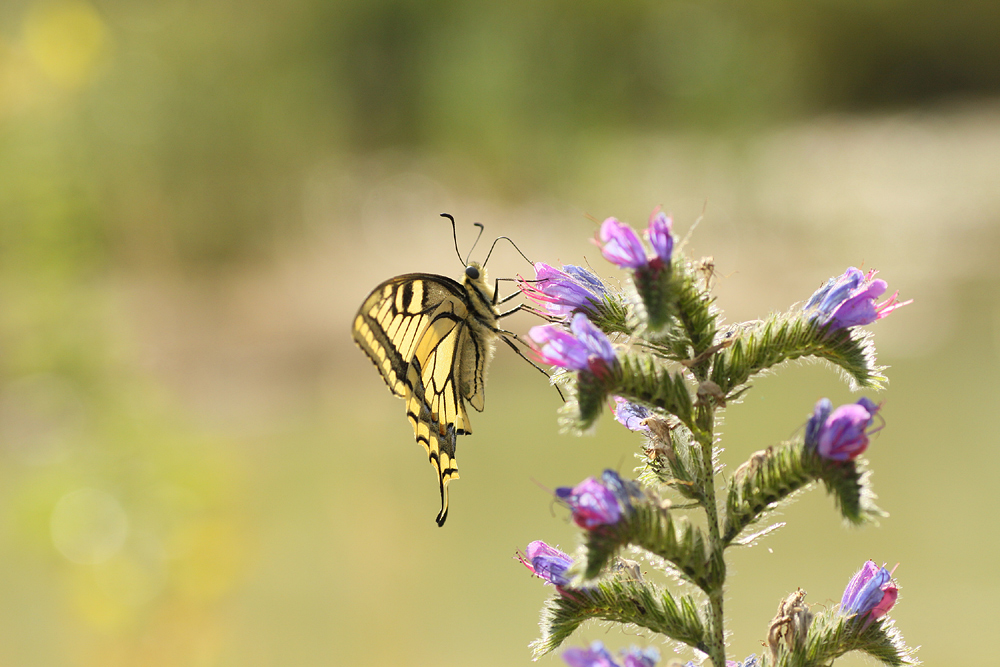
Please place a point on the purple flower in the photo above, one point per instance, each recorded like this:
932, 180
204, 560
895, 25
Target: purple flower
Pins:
583, 348
849, 301
562, 292
547, 563
598, 656
623, 490
631, 415
751, 661
593, 504
870, 592
844, 434
621, 246
595, 656
660, 234
637, 657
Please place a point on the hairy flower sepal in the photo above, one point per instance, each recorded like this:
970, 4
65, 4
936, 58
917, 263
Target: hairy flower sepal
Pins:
773, 475
658, 291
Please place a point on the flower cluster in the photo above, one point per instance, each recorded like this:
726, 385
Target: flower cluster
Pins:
595, 503
849, 301
598, 656
870, 593
841, 434
573, 289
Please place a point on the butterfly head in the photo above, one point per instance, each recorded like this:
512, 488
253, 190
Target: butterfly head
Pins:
475, 279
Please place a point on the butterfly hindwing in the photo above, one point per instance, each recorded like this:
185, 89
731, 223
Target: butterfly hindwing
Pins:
431, 339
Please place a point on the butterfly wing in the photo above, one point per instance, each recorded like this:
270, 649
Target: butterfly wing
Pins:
424, 339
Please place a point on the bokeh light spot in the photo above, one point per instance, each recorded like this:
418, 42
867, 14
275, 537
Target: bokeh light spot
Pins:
88, 526
66, 40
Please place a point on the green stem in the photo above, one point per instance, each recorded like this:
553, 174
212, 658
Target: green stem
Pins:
704, 434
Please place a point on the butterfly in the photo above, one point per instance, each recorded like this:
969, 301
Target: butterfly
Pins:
432, 338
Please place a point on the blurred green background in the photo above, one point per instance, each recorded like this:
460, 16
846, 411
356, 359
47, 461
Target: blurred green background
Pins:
198, 468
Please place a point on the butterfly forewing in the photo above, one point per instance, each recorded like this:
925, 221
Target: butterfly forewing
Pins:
431, 339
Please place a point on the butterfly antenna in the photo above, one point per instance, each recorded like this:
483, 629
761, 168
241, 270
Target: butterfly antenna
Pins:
481, 228
504, 238
454, 234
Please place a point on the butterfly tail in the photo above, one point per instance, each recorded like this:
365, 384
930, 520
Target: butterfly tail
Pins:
443, 514
443, 462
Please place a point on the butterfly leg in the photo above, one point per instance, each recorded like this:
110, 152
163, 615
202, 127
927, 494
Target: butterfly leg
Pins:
519, 353
508, 298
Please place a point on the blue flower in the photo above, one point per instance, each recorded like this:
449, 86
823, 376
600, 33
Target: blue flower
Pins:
562, 292
870, 593
849, 301
631, 415
815, 424
547, 563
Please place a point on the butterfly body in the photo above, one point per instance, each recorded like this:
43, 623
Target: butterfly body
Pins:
432, 338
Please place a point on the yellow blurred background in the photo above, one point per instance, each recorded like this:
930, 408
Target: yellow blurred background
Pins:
198, 468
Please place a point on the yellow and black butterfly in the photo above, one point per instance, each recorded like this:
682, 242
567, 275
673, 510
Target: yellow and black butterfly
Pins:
432, 338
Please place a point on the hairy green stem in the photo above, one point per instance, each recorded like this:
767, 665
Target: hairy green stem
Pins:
705, 436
